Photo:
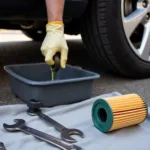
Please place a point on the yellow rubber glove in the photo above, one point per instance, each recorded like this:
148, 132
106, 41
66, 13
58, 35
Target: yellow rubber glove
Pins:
55, 42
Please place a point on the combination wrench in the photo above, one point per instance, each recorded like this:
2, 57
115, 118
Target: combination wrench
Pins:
65, 132
20, 126
2, 146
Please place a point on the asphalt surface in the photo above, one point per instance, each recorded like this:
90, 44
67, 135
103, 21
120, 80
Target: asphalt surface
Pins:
29, 52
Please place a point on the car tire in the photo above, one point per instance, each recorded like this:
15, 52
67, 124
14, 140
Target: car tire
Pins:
36, 35
104, 36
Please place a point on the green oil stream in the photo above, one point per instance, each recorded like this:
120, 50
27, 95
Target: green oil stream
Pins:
52, 74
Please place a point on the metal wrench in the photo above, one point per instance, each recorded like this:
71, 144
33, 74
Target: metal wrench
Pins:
20, 126
2, 146
65, 132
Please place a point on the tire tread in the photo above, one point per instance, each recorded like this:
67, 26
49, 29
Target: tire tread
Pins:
100, 47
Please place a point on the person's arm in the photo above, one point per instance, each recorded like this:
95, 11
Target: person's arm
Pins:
55, 10
54, 41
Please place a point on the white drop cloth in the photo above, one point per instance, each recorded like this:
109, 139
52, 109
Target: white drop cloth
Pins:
72, 116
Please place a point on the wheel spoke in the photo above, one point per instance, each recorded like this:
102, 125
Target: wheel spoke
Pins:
145, 46
133, 20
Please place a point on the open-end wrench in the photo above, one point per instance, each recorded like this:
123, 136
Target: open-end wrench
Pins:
20, 126
2, 147
65, 132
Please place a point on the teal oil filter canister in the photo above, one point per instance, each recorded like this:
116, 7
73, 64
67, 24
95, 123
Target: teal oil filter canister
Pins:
118, 112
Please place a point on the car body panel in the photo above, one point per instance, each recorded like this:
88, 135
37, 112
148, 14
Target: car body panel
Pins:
36, 9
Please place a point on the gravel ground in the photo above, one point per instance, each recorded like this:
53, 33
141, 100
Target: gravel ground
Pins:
27, 51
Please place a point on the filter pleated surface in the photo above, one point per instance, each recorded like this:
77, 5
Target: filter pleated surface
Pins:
126, 110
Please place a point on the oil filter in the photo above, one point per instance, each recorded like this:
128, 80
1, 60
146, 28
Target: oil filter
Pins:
118, 112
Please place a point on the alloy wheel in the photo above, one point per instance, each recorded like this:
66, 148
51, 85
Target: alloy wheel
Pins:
136, 24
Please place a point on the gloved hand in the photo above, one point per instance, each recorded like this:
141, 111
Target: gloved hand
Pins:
55, 42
